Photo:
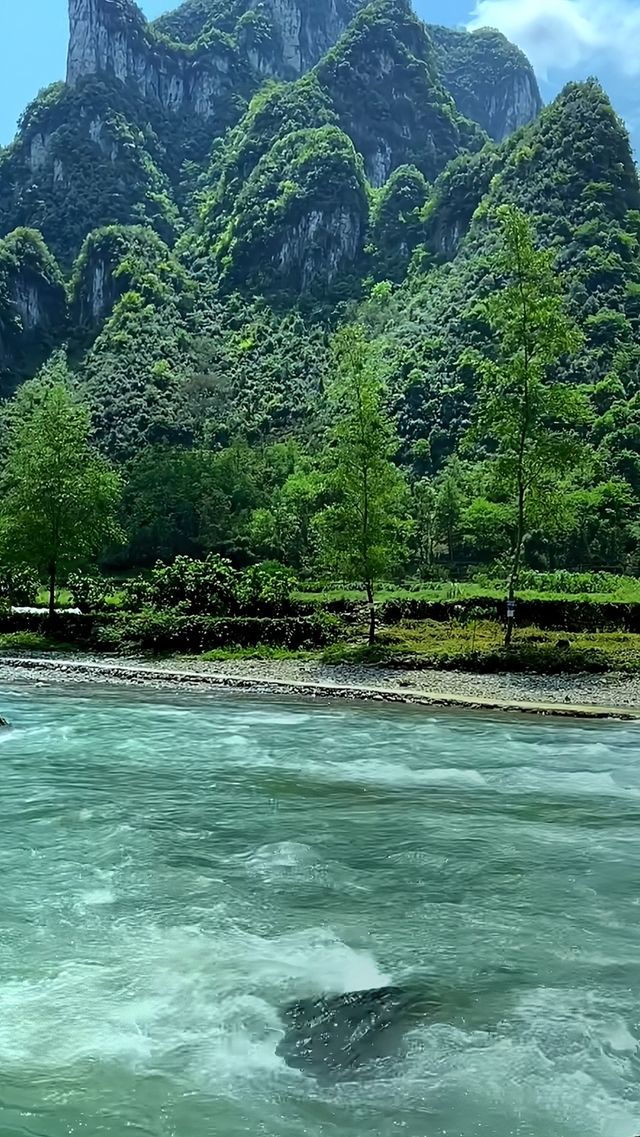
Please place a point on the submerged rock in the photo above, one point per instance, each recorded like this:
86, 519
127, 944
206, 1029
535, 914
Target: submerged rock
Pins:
3, 723
335, 1036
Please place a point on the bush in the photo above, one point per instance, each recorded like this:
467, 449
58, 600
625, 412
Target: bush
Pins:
574, 583
570, 615
193, 587
89, 593
212, 587
170, 632
19, 585
68, 628
265, 589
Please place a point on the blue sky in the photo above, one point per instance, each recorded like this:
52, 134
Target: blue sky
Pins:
564, 38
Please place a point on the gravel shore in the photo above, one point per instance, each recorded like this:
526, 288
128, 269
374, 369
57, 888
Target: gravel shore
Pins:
606, 695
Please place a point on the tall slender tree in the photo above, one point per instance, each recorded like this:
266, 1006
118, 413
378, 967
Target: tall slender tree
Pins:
60, 498
528, 421
364, 532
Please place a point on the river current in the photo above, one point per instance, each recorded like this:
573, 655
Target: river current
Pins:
175, 869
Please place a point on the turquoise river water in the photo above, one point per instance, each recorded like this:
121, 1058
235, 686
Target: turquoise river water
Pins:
174, 869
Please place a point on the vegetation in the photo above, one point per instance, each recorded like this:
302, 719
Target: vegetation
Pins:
364, 530
331, 333
529, 421
59, 496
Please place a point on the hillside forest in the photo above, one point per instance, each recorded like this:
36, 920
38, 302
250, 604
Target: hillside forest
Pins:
348, 327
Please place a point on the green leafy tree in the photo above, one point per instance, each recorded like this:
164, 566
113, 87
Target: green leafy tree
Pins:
424, 500
528, 420
284, 530
60, 497
364, 532
449, 508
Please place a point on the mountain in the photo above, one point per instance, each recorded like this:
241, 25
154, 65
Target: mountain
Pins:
206, 197
143, 100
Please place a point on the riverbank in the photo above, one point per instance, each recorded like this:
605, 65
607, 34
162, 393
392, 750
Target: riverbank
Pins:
586, 696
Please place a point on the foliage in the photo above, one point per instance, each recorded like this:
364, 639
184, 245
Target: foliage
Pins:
398, 224
209, 261
60, 497
187, 586
364, 531
170, 632
265, 588
529, 421
89, 593
19, 585
307, 173
577, 583
211, 587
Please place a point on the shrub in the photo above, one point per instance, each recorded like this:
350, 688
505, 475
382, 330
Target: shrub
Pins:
574, 583
89, 593
265, 589
571, 615
19, 585
212, 587
205, 587
523, 658
167, 632
136, 594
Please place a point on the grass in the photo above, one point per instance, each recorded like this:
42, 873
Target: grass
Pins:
626, 593
426, 643
64, 598
32, 641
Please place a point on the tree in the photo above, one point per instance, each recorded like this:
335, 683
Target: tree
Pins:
424, 500
528, 421
60, 497
364, 531
449, 507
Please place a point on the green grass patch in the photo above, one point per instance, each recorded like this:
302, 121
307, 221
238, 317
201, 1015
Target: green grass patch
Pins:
423, 644
64, 599
624, 590
31, 641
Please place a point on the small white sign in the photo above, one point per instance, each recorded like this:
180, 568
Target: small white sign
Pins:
511, 609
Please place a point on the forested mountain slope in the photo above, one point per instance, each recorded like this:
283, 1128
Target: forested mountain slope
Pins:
205, 199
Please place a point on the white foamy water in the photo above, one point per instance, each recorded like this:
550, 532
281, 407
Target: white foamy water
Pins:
175, 871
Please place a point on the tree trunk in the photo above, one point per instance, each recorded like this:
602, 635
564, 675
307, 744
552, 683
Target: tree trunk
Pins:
53, 578
508, 635
515, 570
372, 613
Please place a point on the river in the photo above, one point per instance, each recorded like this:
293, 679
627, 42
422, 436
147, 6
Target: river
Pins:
175, 869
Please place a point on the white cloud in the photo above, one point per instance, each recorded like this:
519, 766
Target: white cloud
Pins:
562, 35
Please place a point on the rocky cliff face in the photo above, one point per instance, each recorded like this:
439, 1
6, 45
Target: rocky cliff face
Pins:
33, 305
299, 33
282, 37
276, 38
490, 79
111, 38
383, 82
300, 221
365, 89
